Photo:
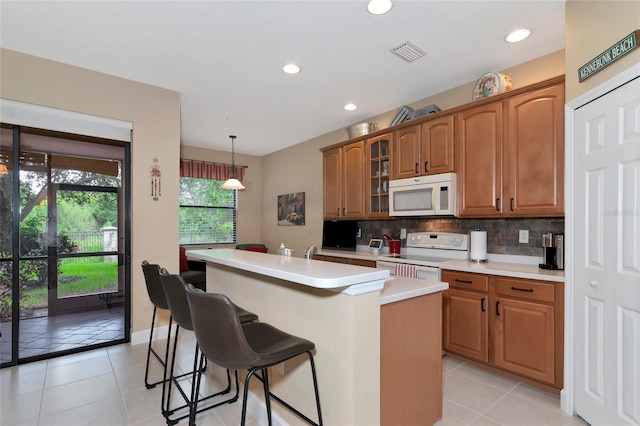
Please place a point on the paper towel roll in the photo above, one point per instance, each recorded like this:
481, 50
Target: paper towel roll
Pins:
478, 246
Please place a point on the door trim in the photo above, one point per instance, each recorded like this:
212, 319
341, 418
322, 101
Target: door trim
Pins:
567, 393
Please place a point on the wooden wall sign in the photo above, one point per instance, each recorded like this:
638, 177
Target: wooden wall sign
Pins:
612, 54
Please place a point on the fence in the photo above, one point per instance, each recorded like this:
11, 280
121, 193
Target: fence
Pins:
105, 239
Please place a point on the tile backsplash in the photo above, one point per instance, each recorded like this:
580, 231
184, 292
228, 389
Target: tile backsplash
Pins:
502, 234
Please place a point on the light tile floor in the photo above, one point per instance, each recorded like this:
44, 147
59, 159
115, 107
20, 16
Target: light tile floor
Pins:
106, 387
472, 396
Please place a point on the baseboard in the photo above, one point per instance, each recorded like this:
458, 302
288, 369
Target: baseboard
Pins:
142, 336
258, 409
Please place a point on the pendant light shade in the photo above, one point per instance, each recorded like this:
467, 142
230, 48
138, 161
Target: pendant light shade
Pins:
232, 182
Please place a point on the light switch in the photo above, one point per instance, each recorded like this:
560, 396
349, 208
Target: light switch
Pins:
524, 236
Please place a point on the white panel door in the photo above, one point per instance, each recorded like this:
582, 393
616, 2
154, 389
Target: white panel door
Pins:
607, 258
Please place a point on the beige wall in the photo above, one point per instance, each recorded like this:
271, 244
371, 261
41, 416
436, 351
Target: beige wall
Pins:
155, 114
299, 168
249, 200
591, 28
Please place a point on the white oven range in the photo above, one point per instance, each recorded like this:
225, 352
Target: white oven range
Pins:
425, 251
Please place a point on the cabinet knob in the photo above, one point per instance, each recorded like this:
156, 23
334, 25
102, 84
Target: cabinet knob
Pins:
593, 283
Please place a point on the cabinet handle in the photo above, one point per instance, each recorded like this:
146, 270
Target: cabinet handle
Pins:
463, 281
344, 211
482, 304
498, 204
511, 204
426, 164
338, 212
528, 290
417, 171
498, 308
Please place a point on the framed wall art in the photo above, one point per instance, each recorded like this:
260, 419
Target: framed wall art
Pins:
291, 209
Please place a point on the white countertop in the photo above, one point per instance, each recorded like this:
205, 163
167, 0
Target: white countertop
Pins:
401, 288
516, 270
347, 279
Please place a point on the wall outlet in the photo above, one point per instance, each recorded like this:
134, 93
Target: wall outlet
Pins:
280, 368
403, 234
359, 233
523, 236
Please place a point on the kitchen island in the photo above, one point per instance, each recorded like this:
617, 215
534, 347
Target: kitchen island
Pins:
336, 306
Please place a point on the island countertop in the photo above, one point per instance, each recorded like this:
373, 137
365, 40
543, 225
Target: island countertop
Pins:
347, 279
397, 289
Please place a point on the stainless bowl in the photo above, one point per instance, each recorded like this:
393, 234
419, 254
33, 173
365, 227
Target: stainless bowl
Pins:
361, 129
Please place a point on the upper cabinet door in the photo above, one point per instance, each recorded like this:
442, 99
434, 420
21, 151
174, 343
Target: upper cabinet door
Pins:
332, 176
353, 184
406, 153
479, 132
437, 146
534, 153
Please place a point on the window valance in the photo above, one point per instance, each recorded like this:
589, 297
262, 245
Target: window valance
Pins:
205, 170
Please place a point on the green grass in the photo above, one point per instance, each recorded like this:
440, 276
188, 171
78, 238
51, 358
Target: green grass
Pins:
93, 278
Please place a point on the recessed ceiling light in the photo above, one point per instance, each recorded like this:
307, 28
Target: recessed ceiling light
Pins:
518, 35
350, 107
291, 69
379, 7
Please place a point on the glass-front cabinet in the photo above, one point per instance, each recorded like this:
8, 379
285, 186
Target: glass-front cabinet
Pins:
379, 172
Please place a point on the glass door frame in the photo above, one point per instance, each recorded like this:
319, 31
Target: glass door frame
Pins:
124, 257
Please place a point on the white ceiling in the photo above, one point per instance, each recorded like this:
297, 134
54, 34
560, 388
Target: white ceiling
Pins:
225, 57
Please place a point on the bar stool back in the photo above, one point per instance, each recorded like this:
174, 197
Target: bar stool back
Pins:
254, 346
156, 295
174, 289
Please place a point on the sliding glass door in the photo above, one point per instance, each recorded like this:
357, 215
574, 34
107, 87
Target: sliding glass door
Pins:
65, 233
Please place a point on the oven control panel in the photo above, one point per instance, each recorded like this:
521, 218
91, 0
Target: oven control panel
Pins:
441, 240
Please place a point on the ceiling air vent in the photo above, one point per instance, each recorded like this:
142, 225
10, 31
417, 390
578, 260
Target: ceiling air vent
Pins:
408, 51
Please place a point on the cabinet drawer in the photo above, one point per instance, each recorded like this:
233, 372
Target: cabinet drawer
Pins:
466, 281
525, 289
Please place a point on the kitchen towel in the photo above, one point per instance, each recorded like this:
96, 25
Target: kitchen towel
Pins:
478, 252
403, 270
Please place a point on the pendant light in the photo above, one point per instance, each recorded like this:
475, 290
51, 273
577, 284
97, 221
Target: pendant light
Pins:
232, 182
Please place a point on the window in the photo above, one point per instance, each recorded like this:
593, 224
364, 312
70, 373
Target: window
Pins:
207, 212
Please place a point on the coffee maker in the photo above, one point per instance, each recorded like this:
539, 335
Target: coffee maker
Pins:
552, 251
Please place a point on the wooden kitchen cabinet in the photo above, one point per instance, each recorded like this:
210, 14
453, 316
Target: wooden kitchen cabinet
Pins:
424, 149
346, 260
465, 317
343, 182
511, 156
508, 324
437, 145
378, 175
534, 167
406, 152
525, 329
411, 361
480, 161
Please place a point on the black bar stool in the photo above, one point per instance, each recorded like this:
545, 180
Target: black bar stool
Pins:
174, 289
225, 341
156, 295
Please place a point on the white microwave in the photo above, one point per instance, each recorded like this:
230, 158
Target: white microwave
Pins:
433, 195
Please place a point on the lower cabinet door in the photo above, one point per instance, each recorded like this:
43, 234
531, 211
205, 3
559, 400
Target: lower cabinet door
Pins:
524, 338
465, 330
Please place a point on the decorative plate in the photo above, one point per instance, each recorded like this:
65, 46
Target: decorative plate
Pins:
492, 83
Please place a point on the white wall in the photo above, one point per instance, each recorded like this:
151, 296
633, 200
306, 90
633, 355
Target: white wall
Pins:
155, 114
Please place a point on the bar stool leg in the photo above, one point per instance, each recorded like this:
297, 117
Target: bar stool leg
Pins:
267, 400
